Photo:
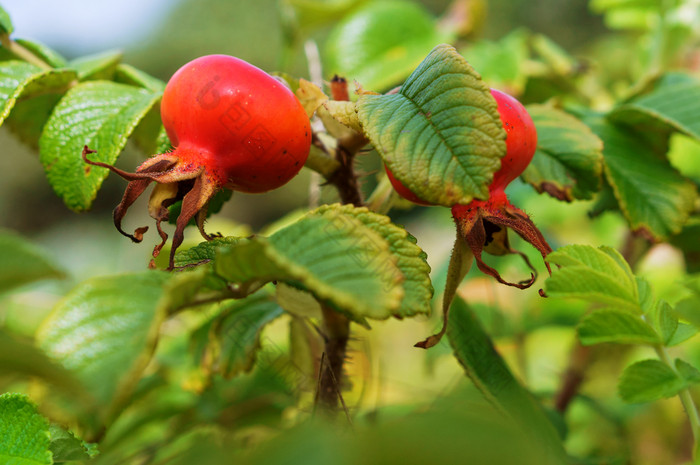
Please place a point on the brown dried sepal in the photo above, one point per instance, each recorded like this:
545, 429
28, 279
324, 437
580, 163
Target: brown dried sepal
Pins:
484, 226
176, 181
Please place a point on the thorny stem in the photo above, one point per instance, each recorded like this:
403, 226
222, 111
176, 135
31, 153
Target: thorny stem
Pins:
687, 401
22, 52
336, 326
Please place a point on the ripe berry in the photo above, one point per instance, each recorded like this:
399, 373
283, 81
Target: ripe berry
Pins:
231, 125
521, 139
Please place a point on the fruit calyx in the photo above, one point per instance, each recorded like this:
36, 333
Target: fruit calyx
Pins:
484, 224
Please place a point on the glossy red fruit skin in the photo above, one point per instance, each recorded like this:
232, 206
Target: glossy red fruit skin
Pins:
404, 191
521, 139
246, 128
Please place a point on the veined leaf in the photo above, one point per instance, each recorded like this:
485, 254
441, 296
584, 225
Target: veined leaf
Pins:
100, 115
687, 371
568, 163
654, 198
675, 104
596, 275
24, 433
329, 253
411, 260
381, 43
105, 330
441, 134
21, 262
615, 326
21, 79
489, 373
649, 380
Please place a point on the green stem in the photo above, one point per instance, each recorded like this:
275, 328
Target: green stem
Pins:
22, 52
687, 401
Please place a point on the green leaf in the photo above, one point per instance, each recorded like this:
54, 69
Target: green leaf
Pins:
649, 380
297, 302
127, 74
489, 373
21, 262
665, 321
20, 79
646, 296
687, 371
203, 252
568, 163
237, 332
5, 22
682, 334
615, 326
105, 331
66, 447
674, 105
410, 259
99, 66
44, 52
596, 275
654, 198
381, 43
328, 252
100, 115
24, 433
441, 134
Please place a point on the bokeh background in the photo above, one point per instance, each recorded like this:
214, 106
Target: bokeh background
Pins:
158, 36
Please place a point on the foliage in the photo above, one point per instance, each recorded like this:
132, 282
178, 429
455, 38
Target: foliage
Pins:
244, 343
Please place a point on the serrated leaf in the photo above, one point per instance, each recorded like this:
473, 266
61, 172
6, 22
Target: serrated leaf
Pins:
441, 134
568, 163
99, 114
676, 106
654, 198
489, 373
237, 332
649, 380
410, 259
99, 66
44, 52
596, 275
615, 326
381, 43
687, 371
21, 262
329, 253
203, 252
5, 22
127, 74
24, 433
20, 79
66, 447
104, 331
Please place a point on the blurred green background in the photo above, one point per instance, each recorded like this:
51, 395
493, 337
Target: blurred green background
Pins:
534, 335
